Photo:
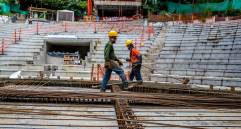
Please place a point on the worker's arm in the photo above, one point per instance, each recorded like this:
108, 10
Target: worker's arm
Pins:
128, 59
115, 58
107, 52
139, 56
119, 61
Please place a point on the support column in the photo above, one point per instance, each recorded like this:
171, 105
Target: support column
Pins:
89, 7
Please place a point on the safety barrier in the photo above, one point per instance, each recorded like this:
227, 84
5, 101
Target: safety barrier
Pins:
2, 47
16, 35
13, 39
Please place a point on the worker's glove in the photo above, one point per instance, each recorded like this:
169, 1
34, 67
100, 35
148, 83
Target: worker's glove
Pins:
107, 64
125, 85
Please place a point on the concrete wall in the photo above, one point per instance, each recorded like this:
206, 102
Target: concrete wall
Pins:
54, 60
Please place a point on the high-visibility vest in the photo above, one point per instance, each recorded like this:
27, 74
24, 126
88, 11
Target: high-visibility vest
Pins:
134, 53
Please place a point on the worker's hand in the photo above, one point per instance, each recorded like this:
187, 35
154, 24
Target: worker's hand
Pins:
128, 59
136, 65
107, 64
120, 62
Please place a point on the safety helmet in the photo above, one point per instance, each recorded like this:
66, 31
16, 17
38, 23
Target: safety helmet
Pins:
112, 34
129, 42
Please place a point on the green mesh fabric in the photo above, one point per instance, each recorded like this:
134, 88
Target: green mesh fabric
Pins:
16, 8
189, 8
4, 8
236, 4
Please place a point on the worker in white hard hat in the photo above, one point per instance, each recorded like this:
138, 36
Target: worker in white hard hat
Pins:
112, 63
136, 61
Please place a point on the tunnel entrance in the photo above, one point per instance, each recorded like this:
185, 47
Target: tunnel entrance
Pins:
67, 51
64, 49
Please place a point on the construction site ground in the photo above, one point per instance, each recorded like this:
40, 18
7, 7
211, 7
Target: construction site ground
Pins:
65, 104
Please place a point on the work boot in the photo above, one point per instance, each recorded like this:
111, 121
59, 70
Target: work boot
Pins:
102, 90
125, 85
140, 82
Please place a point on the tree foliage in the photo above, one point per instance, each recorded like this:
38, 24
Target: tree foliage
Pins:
10, 1
152, 6
78, 6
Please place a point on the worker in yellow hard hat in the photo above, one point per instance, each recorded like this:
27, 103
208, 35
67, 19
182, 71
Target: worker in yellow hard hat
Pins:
136, 61
112, 63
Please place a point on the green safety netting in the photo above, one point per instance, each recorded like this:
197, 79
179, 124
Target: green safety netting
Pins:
236, 4
7, 8
189, 8
4, 8
16, 8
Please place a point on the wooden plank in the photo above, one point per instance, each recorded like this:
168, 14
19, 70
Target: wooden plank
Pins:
56, 88
53, 127
109, 107
59, 107
27, 115
202, 124
176, 118
184, 114
76, 123
187, 110
169, 118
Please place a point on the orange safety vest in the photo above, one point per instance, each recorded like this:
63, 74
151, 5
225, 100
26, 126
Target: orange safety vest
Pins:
134, 55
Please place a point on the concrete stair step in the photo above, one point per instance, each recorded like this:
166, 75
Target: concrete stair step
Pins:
25, 46
13, 58
75, 67
22, 67
22, 50
80, 74
7, 62
33, 38
41, 67
216, 81
31, 44
53, 77
9, 53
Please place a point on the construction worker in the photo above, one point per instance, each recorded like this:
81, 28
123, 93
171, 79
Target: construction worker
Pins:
136, 61
112, 63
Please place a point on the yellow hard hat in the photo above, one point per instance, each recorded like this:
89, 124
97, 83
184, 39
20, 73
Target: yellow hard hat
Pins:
113, 33
128, 42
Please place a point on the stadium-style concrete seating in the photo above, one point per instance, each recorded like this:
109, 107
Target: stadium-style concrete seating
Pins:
24, 55
208, 54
